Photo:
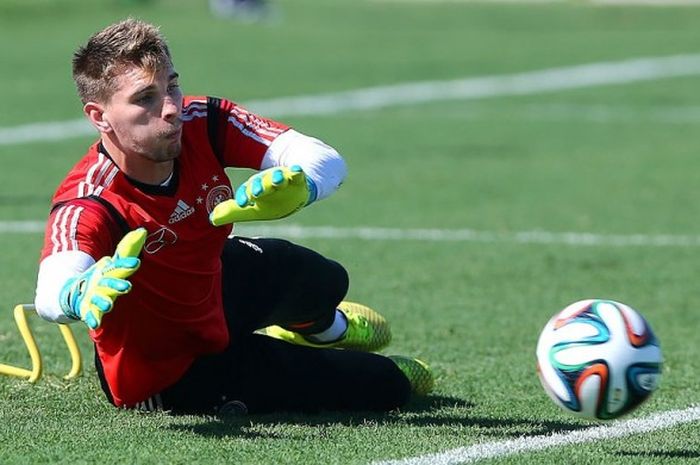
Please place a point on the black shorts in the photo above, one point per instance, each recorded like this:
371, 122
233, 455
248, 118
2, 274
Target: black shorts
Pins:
273, 281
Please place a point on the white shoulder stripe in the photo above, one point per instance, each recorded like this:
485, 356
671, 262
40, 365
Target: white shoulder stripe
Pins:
254, 126
63, 229
95, 179
94, 167
192, 115
74, 227
111, 176
241, 127
103, 170
54, 229
194, 106
270, 132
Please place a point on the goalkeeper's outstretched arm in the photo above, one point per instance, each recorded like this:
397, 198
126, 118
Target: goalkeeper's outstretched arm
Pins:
297, 170
73, 287
321, 163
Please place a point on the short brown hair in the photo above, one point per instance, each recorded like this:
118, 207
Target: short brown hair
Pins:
108, 52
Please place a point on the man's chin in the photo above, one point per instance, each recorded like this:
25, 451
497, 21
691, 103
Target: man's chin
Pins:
172, 151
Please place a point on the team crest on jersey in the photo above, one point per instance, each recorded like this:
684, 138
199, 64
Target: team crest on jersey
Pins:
159, 239
217, 195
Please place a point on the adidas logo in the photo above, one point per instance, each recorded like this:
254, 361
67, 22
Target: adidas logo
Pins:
182, 211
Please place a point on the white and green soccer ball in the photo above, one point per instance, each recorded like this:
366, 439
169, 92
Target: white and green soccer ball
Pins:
598, 359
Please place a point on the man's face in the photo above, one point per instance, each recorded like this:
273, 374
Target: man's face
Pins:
144, 113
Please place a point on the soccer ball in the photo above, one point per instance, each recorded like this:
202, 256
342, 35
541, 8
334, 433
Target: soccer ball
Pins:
598, 359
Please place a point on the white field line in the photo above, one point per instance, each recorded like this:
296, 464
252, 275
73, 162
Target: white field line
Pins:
490, 450
589, 113
470, 235
533, 82
676, 114
22, 227
430, 235
47, 131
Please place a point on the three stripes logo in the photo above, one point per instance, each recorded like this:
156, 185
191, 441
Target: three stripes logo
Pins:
182, 211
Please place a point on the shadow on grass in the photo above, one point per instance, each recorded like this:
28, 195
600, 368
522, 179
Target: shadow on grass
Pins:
664, 454
430, 411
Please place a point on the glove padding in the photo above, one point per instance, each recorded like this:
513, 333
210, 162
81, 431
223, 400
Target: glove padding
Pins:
91, 294
271, 194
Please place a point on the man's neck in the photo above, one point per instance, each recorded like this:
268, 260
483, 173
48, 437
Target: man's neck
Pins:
137, 167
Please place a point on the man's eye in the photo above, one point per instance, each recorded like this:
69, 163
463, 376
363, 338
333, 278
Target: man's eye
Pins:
173, 87
146, 98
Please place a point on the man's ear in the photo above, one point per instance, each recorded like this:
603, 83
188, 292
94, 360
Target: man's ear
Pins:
95, 112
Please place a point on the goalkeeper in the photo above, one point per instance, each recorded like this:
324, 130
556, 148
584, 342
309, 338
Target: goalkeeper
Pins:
186, 317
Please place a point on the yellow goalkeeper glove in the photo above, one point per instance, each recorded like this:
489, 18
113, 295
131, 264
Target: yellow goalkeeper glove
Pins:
271, 194
91, 294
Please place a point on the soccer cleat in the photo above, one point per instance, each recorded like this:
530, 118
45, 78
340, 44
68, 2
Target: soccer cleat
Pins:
418, 373
367, 331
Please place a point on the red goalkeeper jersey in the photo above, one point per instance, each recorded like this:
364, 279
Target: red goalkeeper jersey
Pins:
174, 312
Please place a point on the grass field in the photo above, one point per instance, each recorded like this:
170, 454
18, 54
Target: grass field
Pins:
616, 161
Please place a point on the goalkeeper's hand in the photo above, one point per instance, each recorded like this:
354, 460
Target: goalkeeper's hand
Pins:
91, 294
271, 194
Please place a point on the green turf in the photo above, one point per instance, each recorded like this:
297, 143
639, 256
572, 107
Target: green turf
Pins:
546, 162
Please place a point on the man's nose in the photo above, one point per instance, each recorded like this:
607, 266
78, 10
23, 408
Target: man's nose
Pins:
171, 110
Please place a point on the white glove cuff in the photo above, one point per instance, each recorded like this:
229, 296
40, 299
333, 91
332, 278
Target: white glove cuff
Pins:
321, 163
54, 271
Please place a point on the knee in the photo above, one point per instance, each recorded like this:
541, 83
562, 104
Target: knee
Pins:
325, 282
313, 272
337, 281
